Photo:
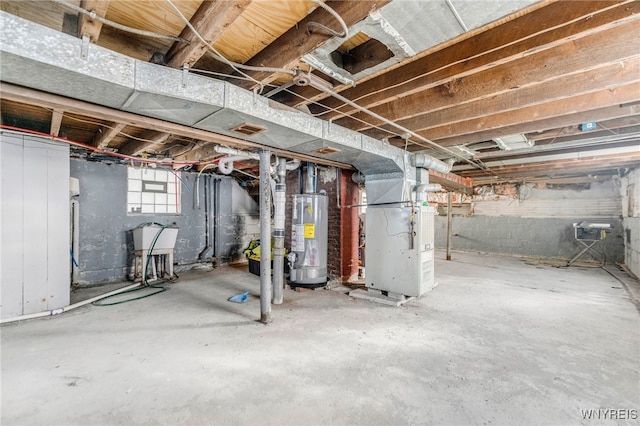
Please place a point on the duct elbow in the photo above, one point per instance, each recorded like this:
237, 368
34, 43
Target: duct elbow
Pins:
424, 161
358, 178
427, 187
293, 164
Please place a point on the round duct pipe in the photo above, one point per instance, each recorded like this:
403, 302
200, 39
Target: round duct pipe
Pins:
424, 161
358, 178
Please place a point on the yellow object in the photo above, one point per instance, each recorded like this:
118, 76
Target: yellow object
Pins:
253, 251
309, 230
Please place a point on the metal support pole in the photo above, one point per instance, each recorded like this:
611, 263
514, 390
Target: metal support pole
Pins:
449, 208
278, 233
265, 237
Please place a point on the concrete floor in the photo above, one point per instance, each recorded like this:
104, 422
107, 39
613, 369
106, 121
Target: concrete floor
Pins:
499, 341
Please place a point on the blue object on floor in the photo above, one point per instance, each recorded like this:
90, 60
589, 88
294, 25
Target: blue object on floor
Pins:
240, 298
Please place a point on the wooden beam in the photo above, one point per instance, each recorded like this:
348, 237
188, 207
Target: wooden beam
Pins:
452, 181
48, 100
527, 80
503, 43
548, 162
56, 122
517, 118
604, 127
295, 43
152, 140
606, 78
89, 26
103, 137
210, 20
570, 119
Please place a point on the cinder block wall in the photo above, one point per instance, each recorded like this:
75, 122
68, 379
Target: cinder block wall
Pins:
630, 191
106, 241
540, 224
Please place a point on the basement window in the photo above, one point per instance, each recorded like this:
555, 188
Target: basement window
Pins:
152, 191
359, 53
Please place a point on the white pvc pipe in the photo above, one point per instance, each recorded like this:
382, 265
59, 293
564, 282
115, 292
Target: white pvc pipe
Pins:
66, 308
225, 165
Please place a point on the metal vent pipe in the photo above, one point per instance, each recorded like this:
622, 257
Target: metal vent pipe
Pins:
424, 161
265, 237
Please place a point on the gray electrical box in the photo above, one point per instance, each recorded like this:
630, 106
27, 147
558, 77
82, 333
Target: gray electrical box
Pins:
400, 249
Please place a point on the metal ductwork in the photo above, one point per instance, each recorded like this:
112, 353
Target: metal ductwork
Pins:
424, 161
44, 59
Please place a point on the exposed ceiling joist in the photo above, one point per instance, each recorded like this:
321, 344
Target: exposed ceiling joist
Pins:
537, 125
296, 42
48, 100
151, 140
104, 137
609, 77
582, 65
602, 127
564, 107
210, 20
56, 122
543, 27
87, 25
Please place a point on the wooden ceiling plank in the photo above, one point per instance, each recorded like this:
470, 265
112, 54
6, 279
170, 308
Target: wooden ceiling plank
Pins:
591, 161
210, 20
153, 138
56, 122
603, 127
609, 77
89, 26
570, 61
500, 44
48, 100
105, 136
295, 43
570, 119
519, 118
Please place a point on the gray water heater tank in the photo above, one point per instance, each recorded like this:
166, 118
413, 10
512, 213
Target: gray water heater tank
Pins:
309, 229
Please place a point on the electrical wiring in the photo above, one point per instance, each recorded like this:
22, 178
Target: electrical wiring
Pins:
345, 30
187, 187
115, 25
469, 58
93, 148
236, 66
398, 126
97, 123
478, 163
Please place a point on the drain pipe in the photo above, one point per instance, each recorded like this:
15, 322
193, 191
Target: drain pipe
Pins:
225, 165
265, 236
278, 232
75, 239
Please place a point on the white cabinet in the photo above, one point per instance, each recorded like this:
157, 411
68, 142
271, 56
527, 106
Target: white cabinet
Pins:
34, 225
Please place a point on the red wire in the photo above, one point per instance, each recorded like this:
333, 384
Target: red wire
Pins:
100, 150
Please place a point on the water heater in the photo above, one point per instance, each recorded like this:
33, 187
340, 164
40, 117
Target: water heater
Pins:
309, 229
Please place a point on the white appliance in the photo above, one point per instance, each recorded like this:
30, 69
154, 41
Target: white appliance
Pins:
400, 249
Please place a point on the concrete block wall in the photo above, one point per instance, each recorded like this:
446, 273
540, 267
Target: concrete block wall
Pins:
540, 224
106, 241
630, 191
